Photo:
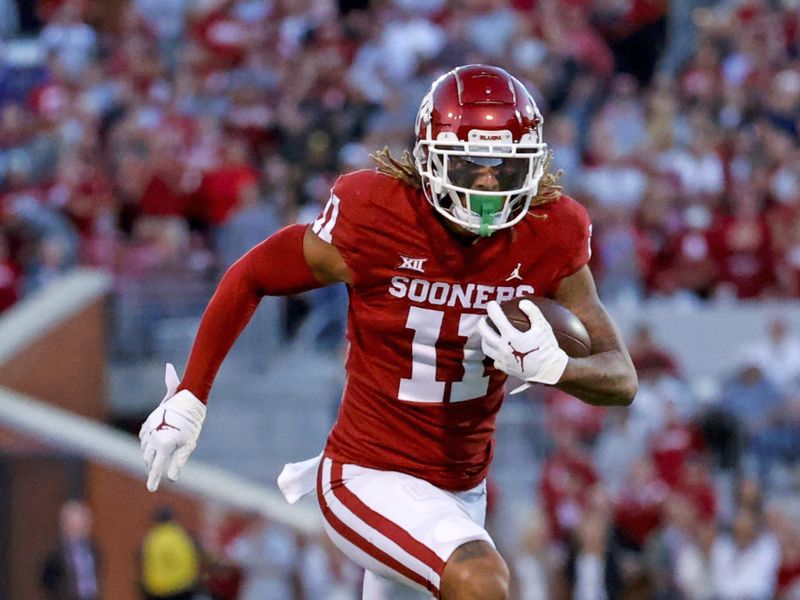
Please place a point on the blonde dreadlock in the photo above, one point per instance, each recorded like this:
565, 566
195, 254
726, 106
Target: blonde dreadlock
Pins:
549, 190
405, 170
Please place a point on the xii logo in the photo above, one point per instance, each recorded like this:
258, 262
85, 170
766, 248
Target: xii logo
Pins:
412, 264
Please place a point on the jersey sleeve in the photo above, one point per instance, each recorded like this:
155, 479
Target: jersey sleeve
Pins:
276, 266
346, 219
577, 238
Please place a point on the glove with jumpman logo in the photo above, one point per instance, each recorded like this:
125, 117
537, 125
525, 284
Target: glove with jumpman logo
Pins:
533, 356
169, 435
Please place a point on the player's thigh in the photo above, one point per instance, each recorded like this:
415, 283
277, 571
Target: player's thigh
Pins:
395, 525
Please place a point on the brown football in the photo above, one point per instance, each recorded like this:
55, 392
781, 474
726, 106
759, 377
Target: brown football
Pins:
570, 332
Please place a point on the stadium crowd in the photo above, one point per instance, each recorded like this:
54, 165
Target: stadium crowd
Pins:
167, 136
134, 133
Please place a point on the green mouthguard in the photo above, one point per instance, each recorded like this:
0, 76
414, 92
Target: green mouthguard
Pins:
486, 207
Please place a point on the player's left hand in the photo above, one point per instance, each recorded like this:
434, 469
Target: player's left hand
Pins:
169, 435
533, 355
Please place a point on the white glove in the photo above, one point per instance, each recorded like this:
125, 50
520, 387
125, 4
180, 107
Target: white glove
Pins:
533, 356
169, 435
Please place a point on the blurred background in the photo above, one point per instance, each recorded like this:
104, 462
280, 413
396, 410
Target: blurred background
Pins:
146, 144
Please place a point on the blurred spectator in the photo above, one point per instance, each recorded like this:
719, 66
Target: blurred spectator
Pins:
72, 570
593, 563
68, 37
750, 398
48, 241
229, 187
673, 444
615, 181
566, 411
567, 477
650, 357
777, 444
167, 17
9, 19
533, 565
640, 504
751, 409
563, 141
491, 25
158, 245
777, 355
327, 318
679, 524
748, 494
570, 34
48, 265
222, 578
722, 434
325, 573
170, 560
745, 563
684, 262
660, 387
9, 276
406, 38
783, 524
620, 444
696, 485
742, 246
268, 555
615, 241
252, 221
693, 563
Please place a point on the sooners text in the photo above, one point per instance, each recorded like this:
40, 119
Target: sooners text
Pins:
439, 293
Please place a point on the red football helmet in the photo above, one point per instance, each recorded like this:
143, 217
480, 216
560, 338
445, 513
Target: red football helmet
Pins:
478, 123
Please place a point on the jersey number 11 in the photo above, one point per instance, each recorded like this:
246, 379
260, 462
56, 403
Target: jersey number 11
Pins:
423, 386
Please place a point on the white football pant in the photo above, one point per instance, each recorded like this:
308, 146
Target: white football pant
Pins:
401, 529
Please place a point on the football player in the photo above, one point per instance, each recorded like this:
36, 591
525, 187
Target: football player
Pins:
428, 244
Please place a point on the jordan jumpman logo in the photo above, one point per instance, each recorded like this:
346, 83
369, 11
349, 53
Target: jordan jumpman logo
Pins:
165, 425
520, 356
515, 273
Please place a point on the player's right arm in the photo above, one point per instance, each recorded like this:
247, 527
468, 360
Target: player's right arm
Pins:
292, 260
325, 260
297, 258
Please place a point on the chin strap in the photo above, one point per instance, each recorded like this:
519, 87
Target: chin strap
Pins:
486, 207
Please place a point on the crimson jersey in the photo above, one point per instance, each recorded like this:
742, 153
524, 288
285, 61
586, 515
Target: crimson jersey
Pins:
420, 395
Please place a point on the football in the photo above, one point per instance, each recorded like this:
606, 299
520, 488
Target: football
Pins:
570, 332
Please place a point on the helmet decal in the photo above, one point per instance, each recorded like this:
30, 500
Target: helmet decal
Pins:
425, 110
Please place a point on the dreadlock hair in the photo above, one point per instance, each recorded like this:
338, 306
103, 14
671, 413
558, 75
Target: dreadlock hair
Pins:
549, 190
405, 170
